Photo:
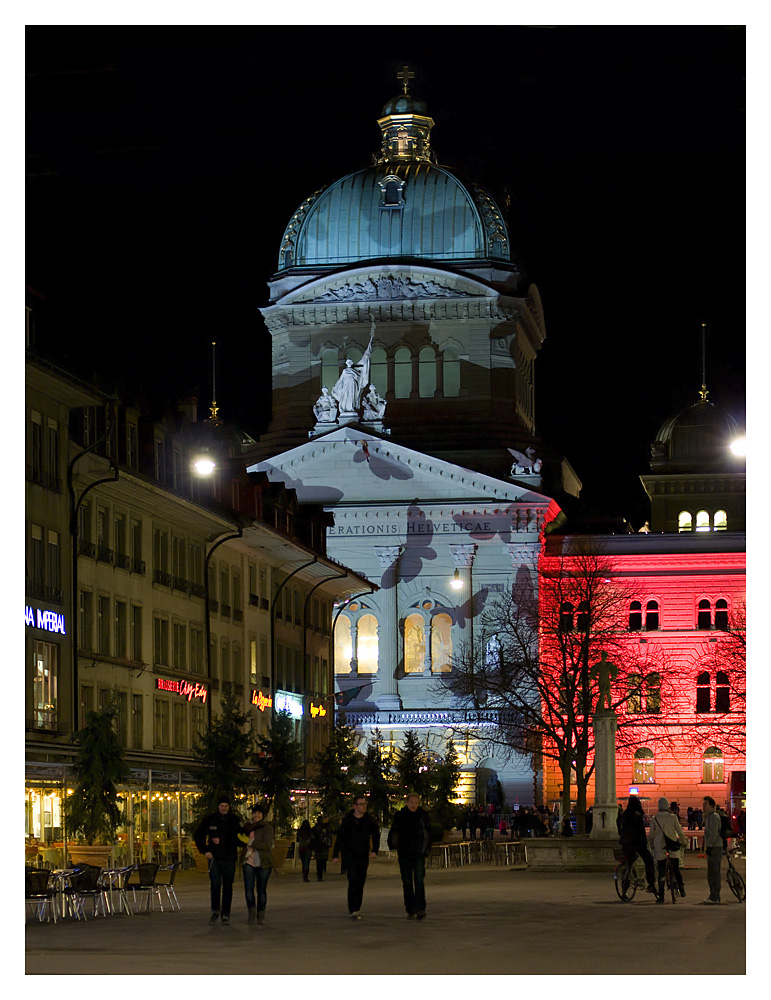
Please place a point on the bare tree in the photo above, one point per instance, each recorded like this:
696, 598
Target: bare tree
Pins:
534, 665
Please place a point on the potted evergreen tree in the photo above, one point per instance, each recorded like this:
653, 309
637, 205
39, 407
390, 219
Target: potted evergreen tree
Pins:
337, 767
278, 760
221, 753
93, 811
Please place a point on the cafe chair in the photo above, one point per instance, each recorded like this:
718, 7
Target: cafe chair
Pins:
114, 881
144, 882
39, 891
85, 882
169, 873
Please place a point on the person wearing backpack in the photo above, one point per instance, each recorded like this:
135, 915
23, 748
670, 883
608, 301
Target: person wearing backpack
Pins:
713, 846
666, 836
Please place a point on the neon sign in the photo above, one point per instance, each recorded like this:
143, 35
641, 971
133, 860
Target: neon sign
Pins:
286, 701
48, 620
259, 699
183, 688
317, 710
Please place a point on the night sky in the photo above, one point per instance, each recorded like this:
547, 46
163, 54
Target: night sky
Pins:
163, 165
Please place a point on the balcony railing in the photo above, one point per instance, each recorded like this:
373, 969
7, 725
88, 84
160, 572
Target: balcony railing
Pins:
103, 554
179, 583
225, 610
238, 615
86, 548
122, 561
44, 720
197, 590
138, 566
159, 576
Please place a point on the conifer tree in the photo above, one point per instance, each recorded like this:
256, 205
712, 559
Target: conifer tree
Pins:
378, 773
338, 767
93, 809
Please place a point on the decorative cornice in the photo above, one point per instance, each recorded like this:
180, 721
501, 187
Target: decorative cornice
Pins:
387, 555
463, 555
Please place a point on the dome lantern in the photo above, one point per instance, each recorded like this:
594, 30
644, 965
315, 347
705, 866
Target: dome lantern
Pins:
406, 127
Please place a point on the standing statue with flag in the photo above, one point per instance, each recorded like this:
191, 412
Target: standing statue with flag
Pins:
353, 382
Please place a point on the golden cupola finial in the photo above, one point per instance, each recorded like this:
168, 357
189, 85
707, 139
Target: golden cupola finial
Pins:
406, 126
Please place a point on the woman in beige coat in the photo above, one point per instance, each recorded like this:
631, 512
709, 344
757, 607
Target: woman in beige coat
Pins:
666, 824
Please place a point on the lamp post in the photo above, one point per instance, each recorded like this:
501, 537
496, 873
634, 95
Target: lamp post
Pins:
207, 615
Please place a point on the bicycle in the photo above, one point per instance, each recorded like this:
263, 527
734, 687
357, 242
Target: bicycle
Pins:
629, 878
670, 882
734, 879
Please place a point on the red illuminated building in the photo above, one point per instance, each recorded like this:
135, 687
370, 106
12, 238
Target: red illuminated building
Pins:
679, 636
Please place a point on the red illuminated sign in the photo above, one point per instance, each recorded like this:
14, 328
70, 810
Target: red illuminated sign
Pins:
259, 699
317, 710
183, 688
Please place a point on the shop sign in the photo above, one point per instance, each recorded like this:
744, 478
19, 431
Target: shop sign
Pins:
183, 688
48, 620
317, 710
288, 701
259, 699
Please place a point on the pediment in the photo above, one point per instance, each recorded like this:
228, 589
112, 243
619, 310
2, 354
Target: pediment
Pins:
387, 283
348, 465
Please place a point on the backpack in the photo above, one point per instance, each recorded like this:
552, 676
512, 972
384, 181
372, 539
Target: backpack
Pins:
726, 830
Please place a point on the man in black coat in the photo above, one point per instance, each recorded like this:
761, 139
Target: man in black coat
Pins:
217, 839
358, 840
410, 837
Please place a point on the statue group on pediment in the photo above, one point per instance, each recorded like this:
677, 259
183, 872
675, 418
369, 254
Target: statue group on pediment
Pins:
526, 464
390, 287
353, 395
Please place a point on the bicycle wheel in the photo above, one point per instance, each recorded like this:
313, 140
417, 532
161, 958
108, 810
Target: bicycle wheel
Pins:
625, 887
736, 884
671, 883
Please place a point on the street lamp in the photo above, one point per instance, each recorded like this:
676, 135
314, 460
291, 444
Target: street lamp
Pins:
456, 583
739, 447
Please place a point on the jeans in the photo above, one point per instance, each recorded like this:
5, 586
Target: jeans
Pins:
356, 870
413, 873
305, 859
259, 877
221, 874
714, 861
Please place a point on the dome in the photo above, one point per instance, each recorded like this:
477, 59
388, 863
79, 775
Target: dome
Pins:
395, 209
696, 439
405, 104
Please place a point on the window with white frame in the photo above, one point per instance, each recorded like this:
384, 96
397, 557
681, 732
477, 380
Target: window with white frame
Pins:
712, 766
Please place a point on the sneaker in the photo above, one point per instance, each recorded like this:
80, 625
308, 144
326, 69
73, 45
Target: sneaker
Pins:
421, 914
225, 918
215, 915
411, 916
356, 915
709, 899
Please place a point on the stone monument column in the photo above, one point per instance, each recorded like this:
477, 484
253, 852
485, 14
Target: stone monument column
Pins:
605, 808
463, 560
388, 627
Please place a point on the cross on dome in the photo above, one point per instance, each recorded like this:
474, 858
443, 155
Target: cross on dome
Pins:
405, 76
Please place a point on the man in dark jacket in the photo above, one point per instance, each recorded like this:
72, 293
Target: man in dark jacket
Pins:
410, 837
322, 841
358, 840
217, 839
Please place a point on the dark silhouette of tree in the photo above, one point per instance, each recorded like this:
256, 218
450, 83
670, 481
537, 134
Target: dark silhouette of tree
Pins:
377, 770
411, 765
221, 753
93, 809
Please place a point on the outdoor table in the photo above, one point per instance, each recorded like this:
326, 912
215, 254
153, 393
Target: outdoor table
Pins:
60, 879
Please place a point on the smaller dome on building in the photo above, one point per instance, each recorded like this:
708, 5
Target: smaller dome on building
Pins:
697, 439
405, 104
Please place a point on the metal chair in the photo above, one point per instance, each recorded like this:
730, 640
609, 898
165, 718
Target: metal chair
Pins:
39, 891
85, 883
145, 882
114, 882
167, 883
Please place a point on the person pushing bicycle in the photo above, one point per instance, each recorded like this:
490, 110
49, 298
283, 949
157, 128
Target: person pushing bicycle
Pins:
633, 840
668, 841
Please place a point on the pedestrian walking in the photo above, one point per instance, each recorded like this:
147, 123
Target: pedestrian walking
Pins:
305, 847
690, 818
322, 841
358, 840
666, 826
634, 841
713, 845
258, 864
216, 837
410, 837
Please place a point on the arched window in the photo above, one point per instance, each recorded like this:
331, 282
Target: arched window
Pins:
703, 700
702, 521
720, 521
441, 643
414, 644
354, 354
653, 694
451, 373
722, 692
330, 367
343, 645
634, 694
685, 521
652, 616
704, 617
566, 617
427, 372
721, 614
635, 616
402, 373
366, 645
378, 370
643, 769
582, 618
712, 766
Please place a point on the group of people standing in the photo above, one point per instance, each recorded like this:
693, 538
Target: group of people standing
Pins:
220, 837
658, 844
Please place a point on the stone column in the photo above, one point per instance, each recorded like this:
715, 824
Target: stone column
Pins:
388, 627
463, 561
605, 808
